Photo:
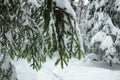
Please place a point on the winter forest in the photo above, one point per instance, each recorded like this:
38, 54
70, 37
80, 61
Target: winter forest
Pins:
59, 39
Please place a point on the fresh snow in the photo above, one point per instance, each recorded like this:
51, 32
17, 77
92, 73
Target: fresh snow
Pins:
99, 37
5, 65
107, 43
76, 70
65, 4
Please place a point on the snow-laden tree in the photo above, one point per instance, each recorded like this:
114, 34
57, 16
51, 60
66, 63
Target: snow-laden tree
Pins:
81, 19
80, 9
34, 30
102, 29
74, 4
7, 11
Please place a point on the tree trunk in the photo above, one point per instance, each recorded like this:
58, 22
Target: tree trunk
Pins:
110, 63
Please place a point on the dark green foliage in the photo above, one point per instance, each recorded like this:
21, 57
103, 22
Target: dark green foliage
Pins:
33, 33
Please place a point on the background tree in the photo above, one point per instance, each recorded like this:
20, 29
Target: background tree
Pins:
102, 29
80, 10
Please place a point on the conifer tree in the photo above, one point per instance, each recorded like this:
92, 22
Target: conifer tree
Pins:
102, 29
34, 30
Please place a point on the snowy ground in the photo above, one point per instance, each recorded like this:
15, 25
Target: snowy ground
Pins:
77, 70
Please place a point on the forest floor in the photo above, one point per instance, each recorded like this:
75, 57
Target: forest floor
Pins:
76, 70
